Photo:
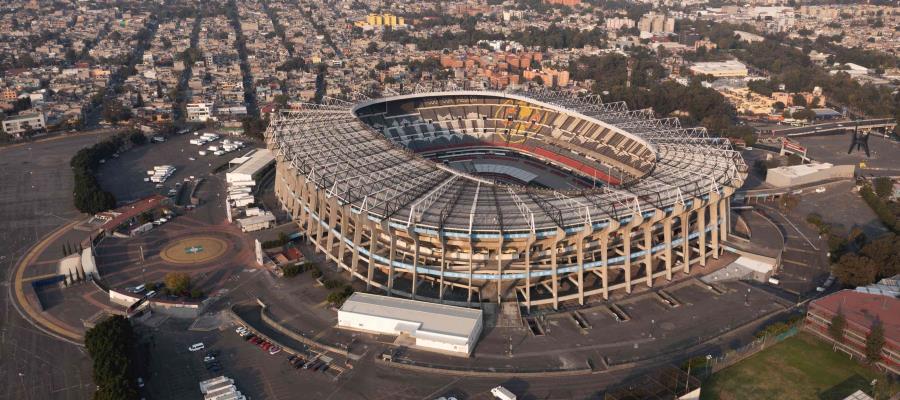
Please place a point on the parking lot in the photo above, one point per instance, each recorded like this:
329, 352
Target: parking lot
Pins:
124, 176
35, 199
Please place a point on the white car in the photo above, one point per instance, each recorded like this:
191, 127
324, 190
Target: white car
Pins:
196, 347
820, 190
140, 382
192, 159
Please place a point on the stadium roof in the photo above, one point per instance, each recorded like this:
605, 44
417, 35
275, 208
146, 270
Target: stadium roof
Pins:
348, 158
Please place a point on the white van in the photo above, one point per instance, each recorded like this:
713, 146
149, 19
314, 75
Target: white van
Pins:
196, 347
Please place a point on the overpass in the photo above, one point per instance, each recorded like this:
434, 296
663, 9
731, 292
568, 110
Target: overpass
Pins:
831, 128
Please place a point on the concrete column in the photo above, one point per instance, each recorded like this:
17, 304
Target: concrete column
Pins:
332, 226
648, 256
604, 258
648, 244
303, 217
391, 252
312, 222
500, 269
415, 272
580, 258
373, 242
714, 224
528, 272
667, 238
553, 252
701, 226
357, 242
685, 222
443, 264
471, 268
320, 212
345, 223
626, 265
724, 212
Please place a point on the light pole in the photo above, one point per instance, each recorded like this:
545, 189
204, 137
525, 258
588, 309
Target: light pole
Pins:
143, 268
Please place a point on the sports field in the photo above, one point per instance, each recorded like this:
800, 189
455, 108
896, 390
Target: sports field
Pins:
801, 367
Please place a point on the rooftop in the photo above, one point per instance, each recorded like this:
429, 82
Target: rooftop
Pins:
256, 162
434, 318
132, 210
23, 116
862, 309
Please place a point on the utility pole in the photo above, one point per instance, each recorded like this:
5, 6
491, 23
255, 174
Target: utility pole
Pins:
143, 279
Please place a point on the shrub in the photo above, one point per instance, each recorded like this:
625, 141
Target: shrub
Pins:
332, 284
316, 272
292, 270
338, 297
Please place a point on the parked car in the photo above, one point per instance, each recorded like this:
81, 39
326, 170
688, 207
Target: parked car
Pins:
825, 285
274, 350
196, 346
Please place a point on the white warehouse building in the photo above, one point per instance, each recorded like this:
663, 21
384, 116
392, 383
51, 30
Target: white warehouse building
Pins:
251, 164
437, 327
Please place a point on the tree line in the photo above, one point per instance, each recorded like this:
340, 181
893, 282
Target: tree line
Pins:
692, 104
788, 63
88, 196
111, 346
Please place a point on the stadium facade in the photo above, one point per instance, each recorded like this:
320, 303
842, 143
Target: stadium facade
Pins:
531, 196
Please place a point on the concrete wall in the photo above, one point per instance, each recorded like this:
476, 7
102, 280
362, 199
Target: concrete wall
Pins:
368, 323
444, 346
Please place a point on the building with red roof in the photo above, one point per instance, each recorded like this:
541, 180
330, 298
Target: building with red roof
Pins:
127, 213
861, 310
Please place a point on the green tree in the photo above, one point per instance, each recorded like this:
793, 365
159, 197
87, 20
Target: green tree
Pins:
854, 270
177, 282
109, 344
838, 324
875, 342
883, 186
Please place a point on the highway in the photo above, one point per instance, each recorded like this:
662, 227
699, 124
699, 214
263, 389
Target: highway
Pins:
836, 127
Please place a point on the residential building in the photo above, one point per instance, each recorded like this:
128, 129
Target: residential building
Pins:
199, 112
24, 123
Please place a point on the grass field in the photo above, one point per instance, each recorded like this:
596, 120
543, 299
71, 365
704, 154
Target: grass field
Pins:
802, 367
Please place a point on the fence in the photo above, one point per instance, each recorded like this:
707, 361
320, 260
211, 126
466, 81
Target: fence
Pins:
731, 357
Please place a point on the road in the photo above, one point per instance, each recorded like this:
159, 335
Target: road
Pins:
836, 127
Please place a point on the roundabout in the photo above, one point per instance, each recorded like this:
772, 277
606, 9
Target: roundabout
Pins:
193, 250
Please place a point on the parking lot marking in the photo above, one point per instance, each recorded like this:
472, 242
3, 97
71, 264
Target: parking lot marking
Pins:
37, 278
798, 231
800, 250
802, 264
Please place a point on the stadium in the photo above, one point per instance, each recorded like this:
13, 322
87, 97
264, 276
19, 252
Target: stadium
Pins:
535, 197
